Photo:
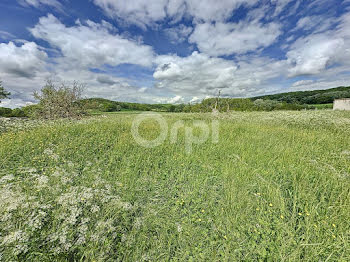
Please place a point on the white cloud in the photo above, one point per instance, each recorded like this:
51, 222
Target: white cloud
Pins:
14, 103
178, 34
323, 83
6, 35
231, 38
195, 99
200, 75
145, 12
316, 52
91, 45
316, 23
175, 100
40, 3
22, 61
212, 10
311, 55
280, 5
138, 12
302, 83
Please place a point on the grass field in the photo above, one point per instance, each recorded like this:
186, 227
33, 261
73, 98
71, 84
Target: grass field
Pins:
323, 106
276, 187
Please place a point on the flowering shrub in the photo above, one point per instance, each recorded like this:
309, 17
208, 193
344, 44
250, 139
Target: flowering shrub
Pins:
55, 213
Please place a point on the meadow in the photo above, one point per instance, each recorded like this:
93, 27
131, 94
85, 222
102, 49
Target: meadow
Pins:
276, 187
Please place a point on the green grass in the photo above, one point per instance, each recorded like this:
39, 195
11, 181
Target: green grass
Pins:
323, 106
275, 188
123, 111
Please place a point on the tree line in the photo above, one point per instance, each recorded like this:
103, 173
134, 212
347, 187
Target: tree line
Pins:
62, 101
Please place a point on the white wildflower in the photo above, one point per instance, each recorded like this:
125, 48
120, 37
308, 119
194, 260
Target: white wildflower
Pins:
179, 227
6, 179
51, 154
95, 208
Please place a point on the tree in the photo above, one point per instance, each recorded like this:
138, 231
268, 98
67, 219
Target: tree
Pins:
59, 101
3, 92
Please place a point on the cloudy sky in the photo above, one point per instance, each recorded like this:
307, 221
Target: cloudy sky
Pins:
172, 51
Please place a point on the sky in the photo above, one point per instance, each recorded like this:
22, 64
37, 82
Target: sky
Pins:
173, 51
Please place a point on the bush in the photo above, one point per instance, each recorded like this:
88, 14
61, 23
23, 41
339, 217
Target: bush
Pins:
5, 112
265, 105
8, 112
17, 112
32, 111
59, 101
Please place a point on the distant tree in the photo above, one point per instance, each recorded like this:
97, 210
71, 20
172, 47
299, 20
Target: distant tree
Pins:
3, 92
59, 101
171, 108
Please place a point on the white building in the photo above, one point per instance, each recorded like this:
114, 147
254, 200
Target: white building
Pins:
341, 104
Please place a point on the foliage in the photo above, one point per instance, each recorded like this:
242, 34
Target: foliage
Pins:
310, 97
244, 104
275, 187
105, 105
323, 106
8, 112
32, 111
5, 112
59, 101
3, 92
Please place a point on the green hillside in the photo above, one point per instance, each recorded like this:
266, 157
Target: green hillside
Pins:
105, 105
310, 97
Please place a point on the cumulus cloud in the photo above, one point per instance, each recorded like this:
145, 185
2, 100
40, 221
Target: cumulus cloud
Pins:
92, 44
145, 12
22, 61
175, 100
178, 34
234, 38
200, 75
80, 47
15, 103
313, 53
212, 10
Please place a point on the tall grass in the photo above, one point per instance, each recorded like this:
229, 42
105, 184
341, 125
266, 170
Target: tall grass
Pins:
275, 188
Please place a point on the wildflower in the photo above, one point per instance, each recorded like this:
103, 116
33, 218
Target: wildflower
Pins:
225, 237
334, 225
179, 227
95, 208
199, 220
270, 205
282, 217
202, 210
7, 178
257, 209
300, 214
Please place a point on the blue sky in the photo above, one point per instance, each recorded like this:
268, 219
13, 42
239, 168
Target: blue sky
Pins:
173, 51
